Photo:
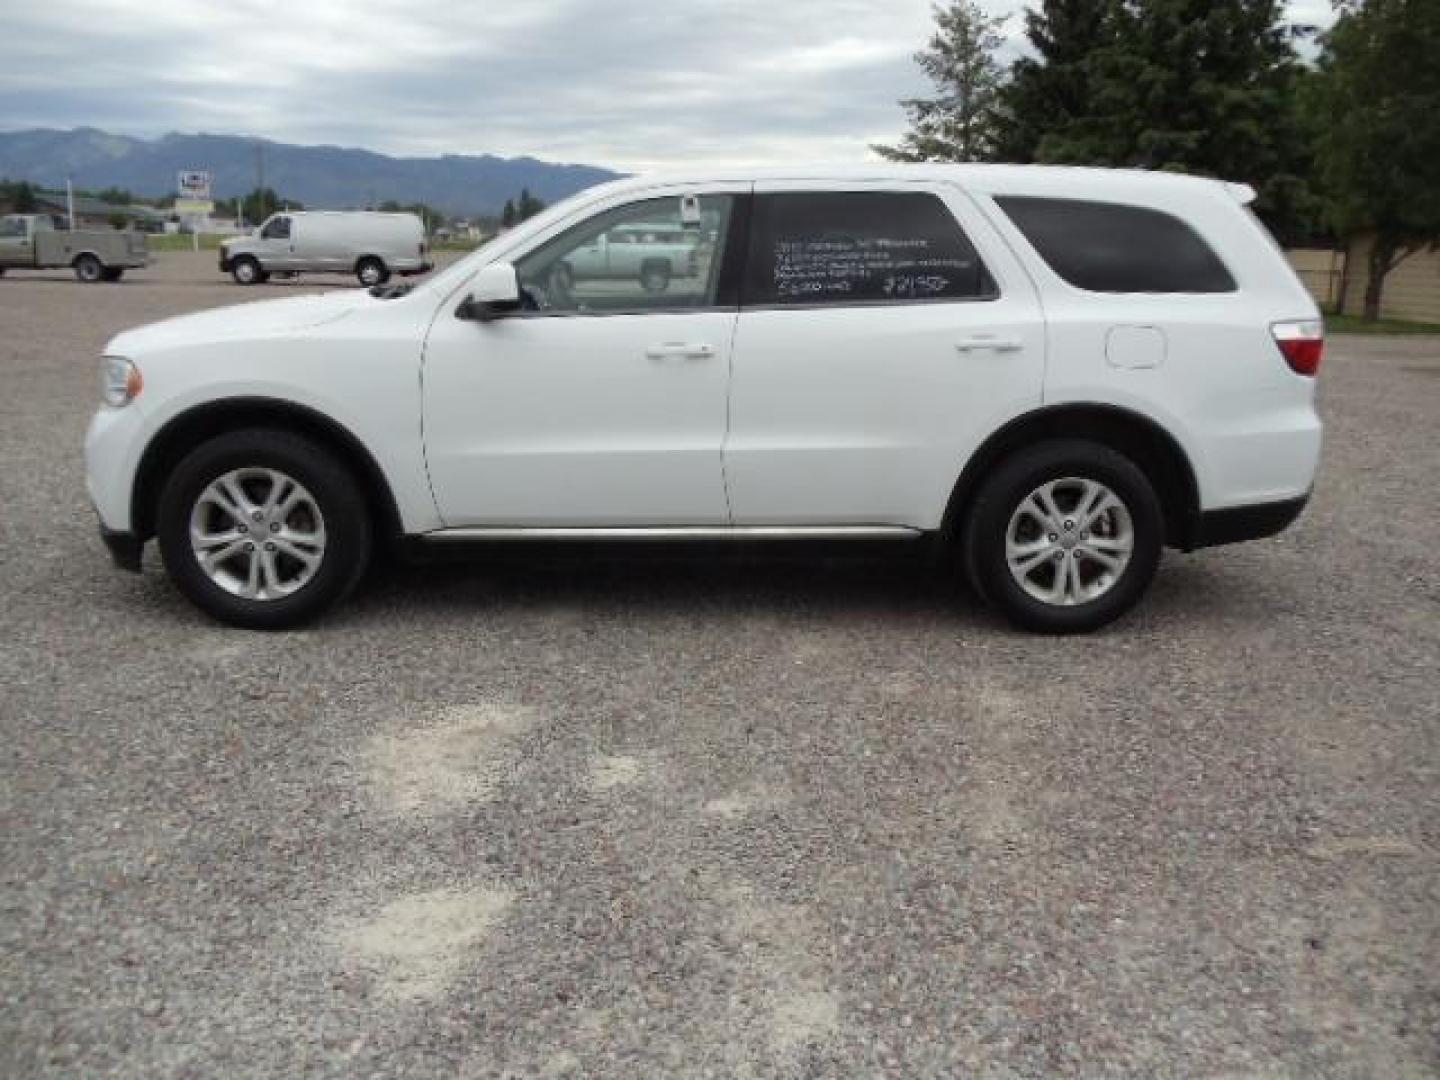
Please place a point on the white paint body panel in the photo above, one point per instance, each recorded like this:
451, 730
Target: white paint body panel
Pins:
346, 355
822, 416
568, 421
867, 413
1246, 422
572, 420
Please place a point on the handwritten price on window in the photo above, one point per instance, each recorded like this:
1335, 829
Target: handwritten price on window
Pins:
914, 285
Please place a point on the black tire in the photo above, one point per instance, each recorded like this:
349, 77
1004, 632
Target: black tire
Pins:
372, 271
113, 273
1002, 494
655, 276
247, 271
2, 271
88, 269
334, 488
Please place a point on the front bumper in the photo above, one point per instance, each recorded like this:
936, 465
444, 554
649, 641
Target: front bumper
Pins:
224, 262
113, 444
125, 548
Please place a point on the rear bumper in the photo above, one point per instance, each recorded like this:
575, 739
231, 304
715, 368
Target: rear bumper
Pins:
124, 548
1233, 525
224, 262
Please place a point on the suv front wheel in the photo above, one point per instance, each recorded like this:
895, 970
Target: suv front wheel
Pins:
263, 529
1064, 537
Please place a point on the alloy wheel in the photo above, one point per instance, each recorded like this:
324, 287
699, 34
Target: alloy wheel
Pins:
1069, 541
258, 534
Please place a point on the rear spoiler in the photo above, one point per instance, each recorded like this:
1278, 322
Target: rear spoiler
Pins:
1244, 194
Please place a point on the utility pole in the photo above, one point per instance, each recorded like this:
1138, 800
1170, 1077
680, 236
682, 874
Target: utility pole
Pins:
259, 176
70, 202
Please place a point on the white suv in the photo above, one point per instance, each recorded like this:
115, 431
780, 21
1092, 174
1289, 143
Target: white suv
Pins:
1043, 374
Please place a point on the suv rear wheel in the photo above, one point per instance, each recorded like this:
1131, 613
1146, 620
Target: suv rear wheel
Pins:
1064, 537
263, 529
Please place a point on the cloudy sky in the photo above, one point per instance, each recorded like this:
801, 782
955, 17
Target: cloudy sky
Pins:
631, 84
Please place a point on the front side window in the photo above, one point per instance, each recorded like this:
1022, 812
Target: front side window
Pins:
847, 247
656, 255
276, 229
12, 227
1117, 248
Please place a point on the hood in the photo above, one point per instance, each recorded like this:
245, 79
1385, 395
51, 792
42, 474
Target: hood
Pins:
265, 318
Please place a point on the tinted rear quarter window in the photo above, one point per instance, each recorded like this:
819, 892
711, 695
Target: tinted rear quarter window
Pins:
1117, 248
847, 247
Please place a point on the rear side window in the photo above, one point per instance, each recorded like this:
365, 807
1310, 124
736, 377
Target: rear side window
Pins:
1114, 248
849, 247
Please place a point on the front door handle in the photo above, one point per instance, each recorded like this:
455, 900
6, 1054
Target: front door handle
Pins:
992, 342
679, 350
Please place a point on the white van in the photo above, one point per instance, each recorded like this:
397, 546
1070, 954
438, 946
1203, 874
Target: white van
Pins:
371, 246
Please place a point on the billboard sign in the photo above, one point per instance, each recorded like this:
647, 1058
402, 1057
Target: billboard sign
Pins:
193, 184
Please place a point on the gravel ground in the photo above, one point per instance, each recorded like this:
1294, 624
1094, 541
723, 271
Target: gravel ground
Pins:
737, 820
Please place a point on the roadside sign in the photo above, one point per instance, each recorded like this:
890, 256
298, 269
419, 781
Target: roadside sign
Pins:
193, 184
195, 207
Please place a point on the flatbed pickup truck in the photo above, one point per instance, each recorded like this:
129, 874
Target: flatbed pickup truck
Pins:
31, 241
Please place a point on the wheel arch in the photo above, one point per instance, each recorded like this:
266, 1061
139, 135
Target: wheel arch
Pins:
189, 429
1153, 449
75, 258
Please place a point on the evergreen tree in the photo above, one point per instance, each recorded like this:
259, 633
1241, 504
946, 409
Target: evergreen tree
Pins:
18, 195
529, 205
959, 124
1048, 100
1200, 86
507, 216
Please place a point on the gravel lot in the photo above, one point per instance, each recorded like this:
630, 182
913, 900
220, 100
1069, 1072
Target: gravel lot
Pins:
737, 820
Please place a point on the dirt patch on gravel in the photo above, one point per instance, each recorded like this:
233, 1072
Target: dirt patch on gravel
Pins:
415, 946
456, 761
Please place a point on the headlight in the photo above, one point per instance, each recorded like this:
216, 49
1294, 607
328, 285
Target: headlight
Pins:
120, 381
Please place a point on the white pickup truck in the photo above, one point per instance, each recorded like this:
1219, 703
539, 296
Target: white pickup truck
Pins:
651, 255
31, 241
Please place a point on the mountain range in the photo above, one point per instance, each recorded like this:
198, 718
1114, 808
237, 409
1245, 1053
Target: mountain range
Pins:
323, 177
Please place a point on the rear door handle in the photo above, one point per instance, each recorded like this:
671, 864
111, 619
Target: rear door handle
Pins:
679, 350
991, 342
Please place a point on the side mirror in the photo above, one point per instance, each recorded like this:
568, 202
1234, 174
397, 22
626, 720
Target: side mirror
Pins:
495, 293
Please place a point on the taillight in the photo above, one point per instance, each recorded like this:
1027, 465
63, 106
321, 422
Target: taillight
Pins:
1301, 343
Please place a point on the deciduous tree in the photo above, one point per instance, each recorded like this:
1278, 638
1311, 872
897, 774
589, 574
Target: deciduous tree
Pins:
1377, 106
